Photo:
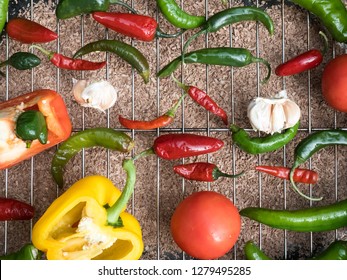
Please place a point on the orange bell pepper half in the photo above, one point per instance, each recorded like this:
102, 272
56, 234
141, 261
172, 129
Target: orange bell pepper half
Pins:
14, 150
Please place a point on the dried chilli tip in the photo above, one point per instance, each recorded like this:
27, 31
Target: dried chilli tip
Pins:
301, 175
12, 209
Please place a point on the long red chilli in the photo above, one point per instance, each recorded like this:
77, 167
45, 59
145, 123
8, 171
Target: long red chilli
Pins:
301, 175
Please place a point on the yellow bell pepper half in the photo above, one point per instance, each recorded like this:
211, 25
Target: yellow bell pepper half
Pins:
75, 225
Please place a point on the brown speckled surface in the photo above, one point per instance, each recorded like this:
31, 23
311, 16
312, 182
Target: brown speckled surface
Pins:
158, 189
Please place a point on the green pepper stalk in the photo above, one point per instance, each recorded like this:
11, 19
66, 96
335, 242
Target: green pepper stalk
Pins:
226, 56
72, 8
114, 211
27, 252
332, 14
125, 51
22, 61
31, 125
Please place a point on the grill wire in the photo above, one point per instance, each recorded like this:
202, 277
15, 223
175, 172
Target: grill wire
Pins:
208, 130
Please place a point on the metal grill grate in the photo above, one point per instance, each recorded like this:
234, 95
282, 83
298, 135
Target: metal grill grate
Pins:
158, 191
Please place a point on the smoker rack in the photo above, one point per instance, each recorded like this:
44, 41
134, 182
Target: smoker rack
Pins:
158, 190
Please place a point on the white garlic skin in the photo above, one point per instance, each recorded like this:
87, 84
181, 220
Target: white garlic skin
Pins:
271, 115
100, 95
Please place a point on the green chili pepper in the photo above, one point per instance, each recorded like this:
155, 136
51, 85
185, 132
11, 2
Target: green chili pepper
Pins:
71, 8
260, 145
315, 219
332, 14
337, 250
27, 252
253, 252
3, 13
125, 51
312, 144
22, 61
102, 137
230, 16
31, 125
237, 57
177, 17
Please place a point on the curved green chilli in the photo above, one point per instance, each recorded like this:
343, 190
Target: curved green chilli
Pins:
3, 13
101, 137
312, 144
71, 8
332, 14
260, 145
230, 16
225, 56
337, 250
125, 51
253, 252
177, 17
313, 219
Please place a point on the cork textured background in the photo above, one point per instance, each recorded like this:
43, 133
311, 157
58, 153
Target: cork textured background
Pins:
158, 189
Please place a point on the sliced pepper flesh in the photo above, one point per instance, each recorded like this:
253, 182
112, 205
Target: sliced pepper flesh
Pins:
75, 226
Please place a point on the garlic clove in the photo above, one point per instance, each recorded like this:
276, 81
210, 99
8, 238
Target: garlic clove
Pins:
292, 113
278, 118
100, 95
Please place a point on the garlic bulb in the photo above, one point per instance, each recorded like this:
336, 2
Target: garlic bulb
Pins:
100, 95
272, 115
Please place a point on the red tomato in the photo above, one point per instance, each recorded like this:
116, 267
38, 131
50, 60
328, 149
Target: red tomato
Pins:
206, 225
334, 83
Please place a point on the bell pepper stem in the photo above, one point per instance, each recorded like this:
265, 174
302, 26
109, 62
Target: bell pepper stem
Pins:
326, 43
268, 66
113, 213
296, 189
160, 34
181, 85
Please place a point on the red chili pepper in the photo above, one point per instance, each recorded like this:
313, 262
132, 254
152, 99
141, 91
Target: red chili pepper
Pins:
303, 62
12, 209
68, 63
204, 100
300, 175
202, 171
161, 121
180, 145
28, 32
136, 26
